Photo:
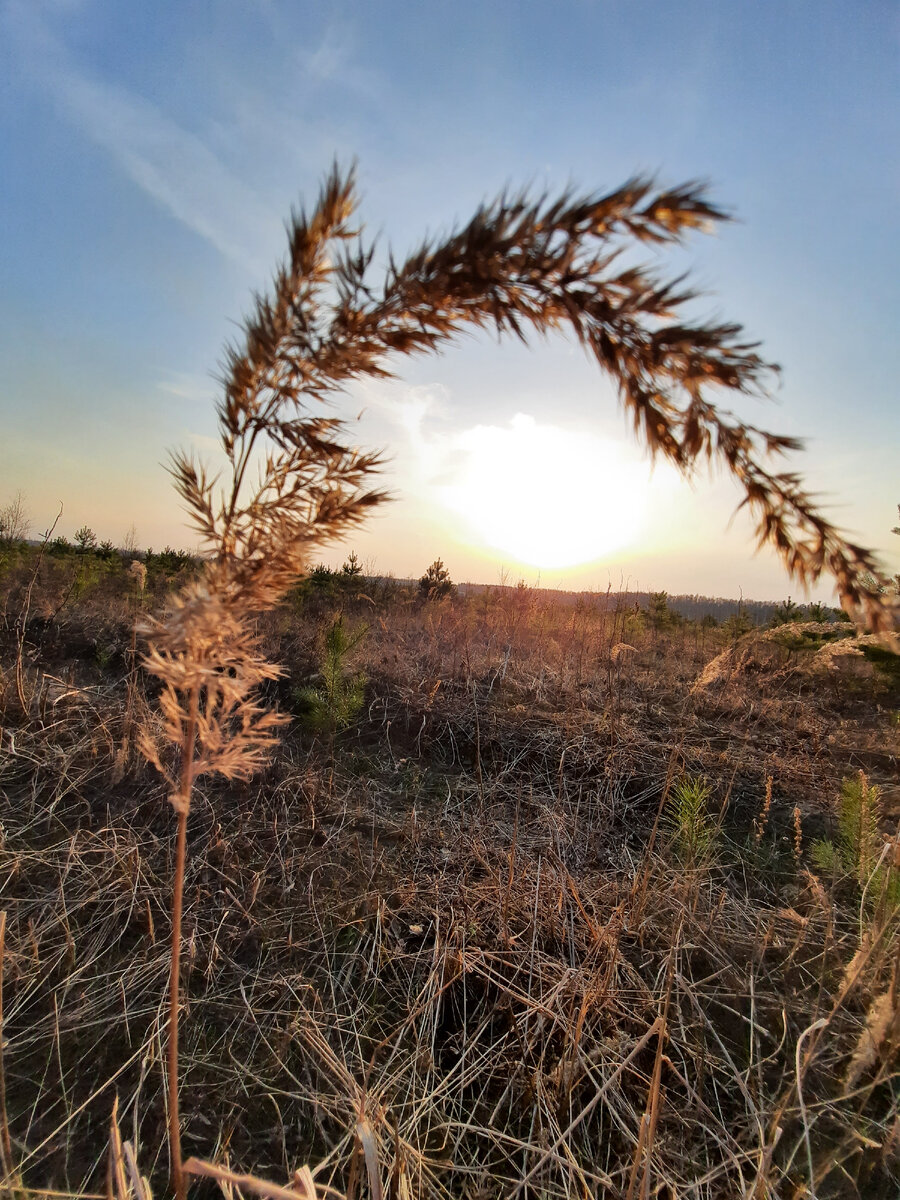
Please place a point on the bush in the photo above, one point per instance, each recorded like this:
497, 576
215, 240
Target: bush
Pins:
886, 664
322, 586
85, 539
436, 582
819, 612
659, 615
338, 699
786, 613
14, 523
691, 829
738, 623
856, 852
352, 568
169, 561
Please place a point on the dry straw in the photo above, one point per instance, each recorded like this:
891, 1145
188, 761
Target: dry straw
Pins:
292, 482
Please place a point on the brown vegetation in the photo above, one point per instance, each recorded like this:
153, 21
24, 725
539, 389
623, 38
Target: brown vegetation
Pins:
459, 934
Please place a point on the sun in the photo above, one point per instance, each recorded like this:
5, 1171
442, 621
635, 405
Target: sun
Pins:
547, 496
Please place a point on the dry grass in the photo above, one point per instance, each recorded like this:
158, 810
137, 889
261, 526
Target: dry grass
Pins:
451, 943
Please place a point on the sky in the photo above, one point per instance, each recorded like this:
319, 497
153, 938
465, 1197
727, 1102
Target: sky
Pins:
152, 153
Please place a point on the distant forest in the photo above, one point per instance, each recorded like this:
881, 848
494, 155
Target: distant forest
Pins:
691, 607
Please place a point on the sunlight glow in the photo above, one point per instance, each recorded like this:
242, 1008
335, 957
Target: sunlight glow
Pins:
548, 496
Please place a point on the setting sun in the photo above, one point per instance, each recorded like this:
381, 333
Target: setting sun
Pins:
547, 496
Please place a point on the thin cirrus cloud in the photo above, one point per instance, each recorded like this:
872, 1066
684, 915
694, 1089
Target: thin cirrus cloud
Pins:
334, 61
170, 164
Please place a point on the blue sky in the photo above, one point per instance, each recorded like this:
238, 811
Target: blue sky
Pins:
152, 152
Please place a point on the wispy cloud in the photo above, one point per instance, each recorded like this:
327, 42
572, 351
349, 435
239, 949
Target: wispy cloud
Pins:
171, 164
333, 59
196, 388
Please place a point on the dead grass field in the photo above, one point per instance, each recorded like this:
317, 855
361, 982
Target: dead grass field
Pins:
461, 935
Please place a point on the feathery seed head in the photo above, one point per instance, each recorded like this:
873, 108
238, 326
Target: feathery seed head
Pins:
520, 266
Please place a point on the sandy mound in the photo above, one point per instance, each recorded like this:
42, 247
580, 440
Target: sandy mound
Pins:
827, 647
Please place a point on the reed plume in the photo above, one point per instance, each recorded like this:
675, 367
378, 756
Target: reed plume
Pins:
292, 481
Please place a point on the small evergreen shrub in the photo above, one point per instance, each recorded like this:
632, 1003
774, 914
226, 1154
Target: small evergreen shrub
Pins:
85, 539
738, 624
856, 851
436, 582
688, 821
659, 615
337, 700
885, 662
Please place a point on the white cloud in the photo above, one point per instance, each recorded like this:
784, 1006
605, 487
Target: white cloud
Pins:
334, 60
169, 163
196, 388
211, 447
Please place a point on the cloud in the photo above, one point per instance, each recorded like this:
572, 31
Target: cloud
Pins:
211, 447
197, 388
409, 410
170, 164
334, 61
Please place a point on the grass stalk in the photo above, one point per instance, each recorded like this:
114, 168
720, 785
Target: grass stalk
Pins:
5, 1139
182, 807
23, 618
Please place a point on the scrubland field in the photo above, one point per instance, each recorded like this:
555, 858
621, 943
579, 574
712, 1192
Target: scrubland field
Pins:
527, 902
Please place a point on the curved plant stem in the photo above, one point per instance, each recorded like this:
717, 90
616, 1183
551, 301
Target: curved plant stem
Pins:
183, 803
5, 1140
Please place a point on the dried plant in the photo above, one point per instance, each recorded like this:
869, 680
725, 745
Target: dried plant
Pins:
15, 523
138, 571
292, 482
500, 945
7, 1162
760, 822
798, 836
879, 1018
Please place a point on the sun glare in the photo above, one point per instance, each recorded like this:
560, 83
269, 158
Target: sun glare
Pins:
546, 496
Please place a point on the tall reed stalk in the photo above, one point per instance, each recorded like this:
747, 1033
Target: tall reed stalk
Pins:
7, 1163
292, 482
